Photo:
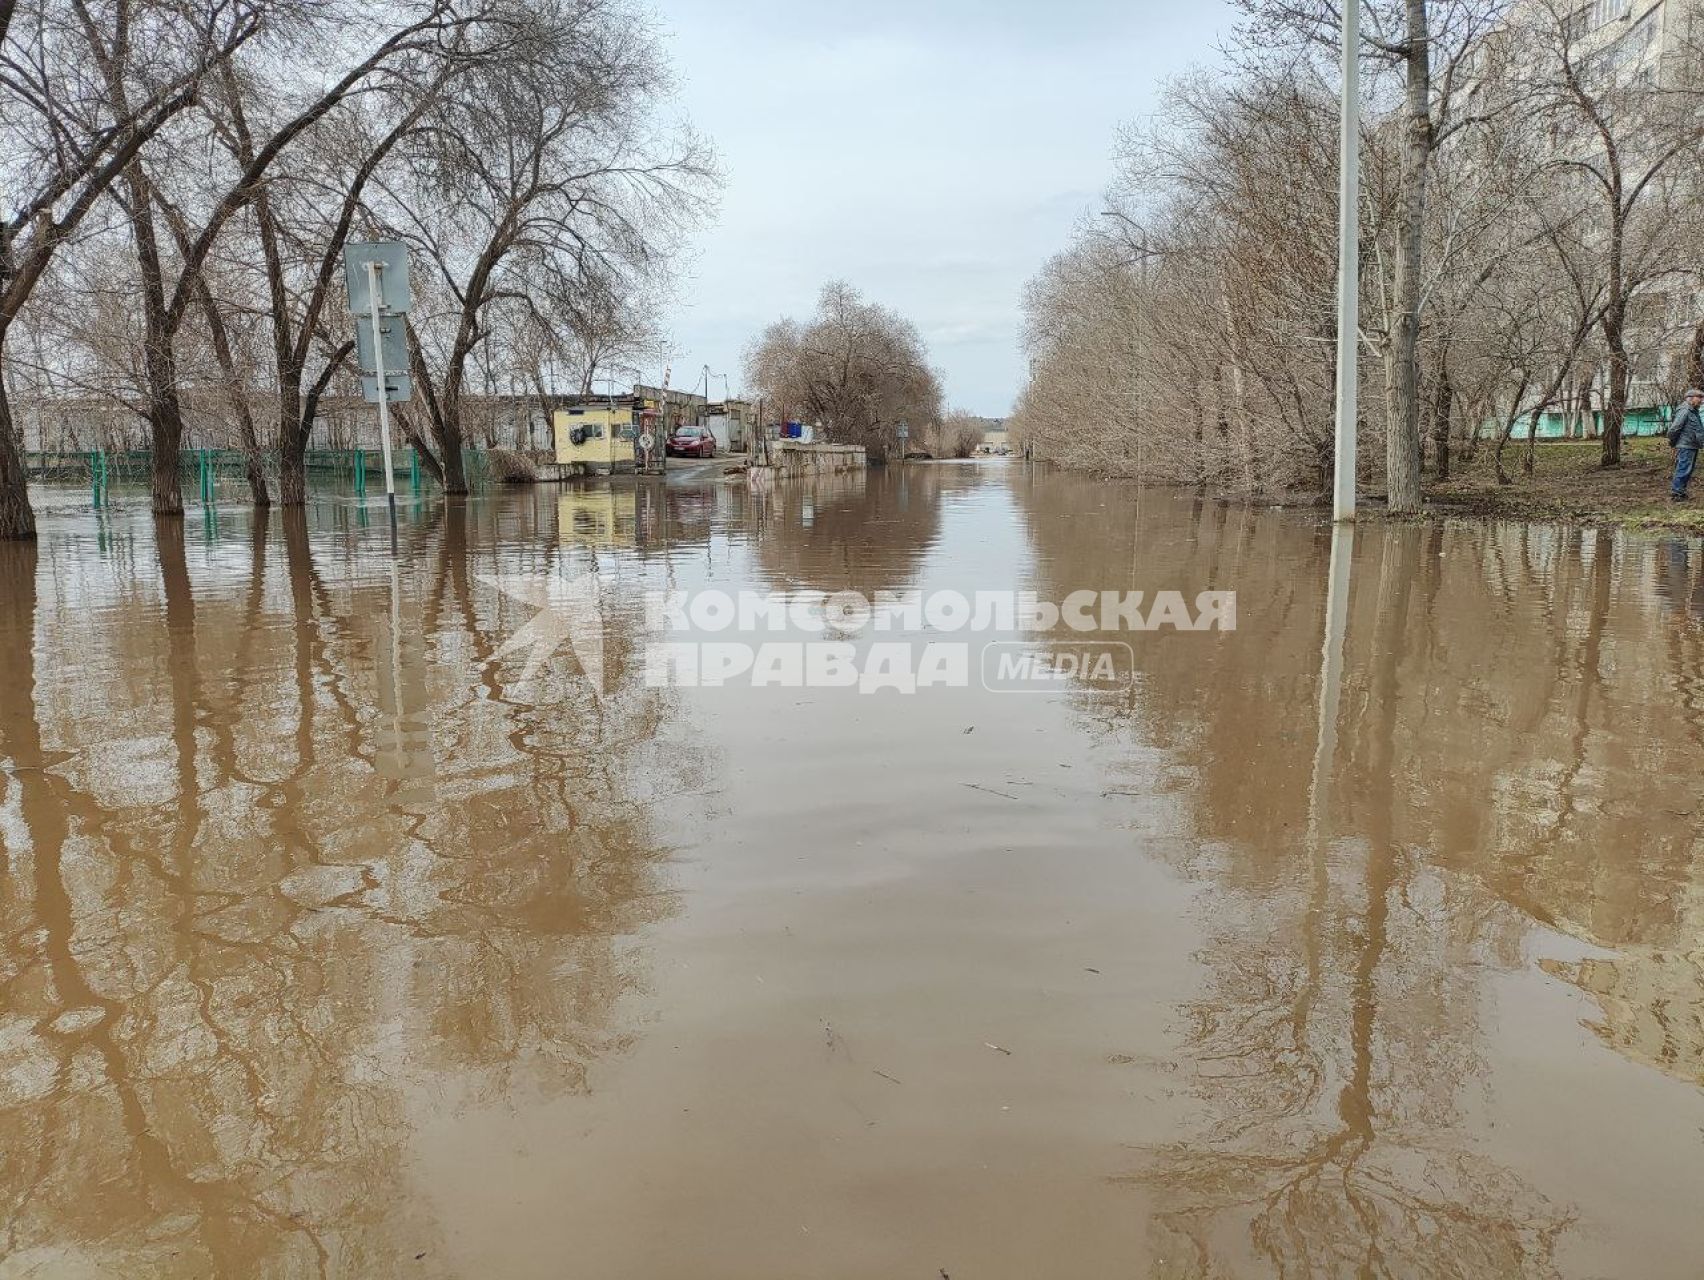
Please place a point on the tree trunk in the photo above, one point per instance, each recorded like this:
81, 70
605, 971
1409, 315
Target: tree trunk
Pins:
1503, 477
256, 472
442, 419
297, 414
1618, 389
1443, 406
1199, 416
1475, 415
292, 475
410, 431
1221, 425
17, 521
168, 455
159, 361
1402, 371
1507, 430
253, 463
450, 451
294, 423
1614, 325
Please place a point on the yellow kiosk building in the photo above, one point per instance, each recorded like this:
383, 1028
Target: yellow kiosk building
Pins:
597, 436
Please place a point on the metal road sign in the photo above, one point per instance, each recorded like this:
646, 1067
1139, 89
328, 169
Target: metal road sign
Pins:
379, 296
400, 386
391, 258
393, 339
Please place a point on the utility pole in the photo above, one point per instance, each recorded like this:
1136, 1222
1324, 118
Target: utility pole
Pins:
1348, 266
663, 408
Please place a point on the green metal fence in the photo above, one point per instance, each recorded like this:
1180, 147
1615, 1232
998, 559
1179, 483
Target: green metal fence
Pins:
1639, 422
203, 472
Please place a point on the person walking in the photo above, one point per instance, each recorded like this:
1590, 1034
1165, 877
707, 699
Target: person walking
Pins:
1686, 438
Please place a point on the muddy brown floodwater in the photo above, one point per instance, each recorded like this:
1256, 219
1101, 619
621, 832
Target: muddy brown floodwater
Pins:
335, 944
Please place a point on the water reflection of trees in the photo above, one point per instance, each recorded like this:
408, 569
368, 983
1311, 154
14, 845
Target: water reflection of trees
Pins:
271, 890
857, 531
1514, 725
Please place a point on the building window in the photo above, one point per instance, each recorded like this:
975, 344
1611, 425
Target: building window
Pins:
1600, 13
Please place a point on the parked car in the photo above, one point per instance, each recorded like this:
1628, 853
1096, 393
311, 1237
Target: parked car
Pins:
692, 442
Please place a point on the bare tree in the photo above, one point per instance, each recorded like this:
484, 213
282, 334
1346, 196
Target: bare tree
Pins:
170, 286
304, 215
544, 170
68, 136
857, 369
1632, 137
958, 435
568, 331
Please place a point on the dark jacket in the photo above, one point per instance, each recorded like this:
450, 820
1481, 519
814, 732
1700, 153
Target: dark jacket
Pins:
1686, 428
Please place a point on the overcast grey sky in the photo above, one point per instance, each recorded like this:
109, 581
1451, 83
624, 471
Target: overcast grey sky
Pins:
932, 152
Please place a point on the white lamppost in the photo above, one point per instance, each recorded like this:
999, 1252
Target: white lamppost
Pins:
1348, 265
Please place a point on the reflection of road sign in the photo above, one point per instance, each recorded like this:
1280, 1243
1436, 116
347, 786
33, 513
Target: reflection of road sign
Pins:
646, 441
392, 259
391, 336
400, 384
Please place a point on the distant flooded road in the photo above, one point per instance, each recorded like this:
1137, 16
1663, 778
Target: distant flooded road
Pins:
352, 928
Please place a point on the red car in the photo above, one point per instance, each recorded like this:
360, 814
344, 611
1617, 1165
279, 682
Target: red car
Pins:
692, 442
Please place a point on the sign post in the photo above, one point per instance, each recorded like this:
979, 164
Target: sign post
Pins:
904, 439
377, 275
375, 284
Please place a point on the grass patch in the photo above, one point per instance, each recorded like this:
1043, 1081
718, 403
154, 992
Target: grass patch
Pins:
1569, 484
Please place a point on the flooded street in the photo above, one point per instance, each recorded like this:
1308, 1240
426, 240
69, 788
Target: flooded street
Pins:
342, 938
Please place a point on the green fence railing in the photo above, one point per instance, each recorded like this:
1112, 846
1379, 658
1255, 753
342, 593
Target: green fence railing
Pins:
204, 471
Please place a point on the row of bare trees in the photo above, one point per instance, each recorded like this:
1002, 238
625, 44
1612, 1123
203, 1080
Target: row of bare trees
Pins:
183, 177
1531, 185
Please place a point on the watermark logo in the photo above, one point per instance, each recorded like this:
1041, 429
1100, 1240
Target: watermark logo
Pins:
844, 640
1106, 666
569, 611
839, 650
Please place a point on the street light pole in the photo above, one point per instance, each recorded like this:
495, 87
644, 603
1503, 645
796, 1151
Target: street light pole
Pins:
1348, 266
1141, 322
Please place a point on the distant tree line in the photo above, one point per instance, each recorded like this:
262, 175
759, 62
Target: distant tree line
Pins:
182, 177
1531, 205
